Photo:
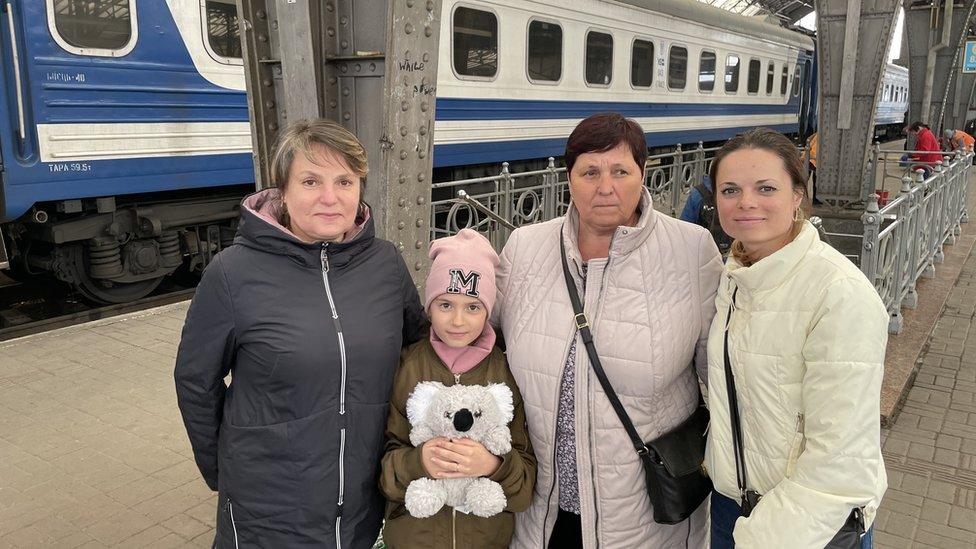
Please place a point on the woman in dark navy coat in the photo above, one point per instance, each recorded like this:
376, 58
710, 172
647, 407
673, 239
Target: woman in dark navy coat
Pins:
307, 312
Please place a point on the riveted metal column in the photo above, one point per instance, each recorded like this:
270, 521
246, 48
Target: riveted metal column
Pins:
853, 38
934, 52
407, 141
300, 52
262, 72
370, 65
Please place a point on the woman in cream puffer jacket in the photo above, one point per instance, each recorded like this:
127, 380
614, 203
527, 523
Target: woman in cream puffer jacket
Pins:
807, 335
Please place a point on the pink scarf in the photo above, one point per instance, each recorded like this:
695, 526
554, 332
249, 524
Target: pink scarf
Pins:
462, 359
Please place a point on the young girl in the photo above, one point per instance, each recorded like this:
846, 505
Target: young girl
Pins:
460, 292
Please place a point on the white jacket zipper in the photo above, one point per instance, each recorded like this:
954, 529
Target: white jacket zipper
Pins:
342, 393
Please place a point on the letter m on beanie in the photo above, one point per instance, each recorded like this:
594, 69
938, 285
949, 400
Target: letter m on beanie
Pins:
469, 282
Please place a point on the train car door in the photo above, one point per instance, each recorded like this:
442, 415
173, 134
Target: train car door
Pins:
806, 127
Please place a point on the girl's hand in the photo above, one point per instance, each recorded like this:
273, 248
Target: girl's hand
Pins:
435, 468
464, 458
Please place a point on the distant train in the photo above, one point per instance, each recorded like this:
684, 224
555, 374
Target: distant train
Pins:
124, 127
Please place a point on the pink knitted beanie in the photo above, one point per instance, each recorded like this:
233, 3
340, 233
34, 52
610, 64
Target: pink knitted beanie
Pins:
462, 264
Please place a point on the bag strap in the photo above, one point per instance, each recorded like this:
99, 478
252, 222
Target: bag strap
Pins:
583, 325
740, 458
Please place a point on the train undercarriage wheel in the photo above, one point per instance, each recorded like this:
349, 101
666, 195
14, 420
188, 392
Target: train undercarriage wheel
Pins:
105, 292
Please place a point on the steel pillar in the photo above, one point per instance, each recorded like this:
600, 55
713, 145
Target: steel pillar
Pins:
955, 114
370, 65
936, 33
852, 43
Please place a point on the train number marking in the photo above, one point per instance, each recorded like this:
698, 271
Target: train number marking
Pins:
65, 77
66, 167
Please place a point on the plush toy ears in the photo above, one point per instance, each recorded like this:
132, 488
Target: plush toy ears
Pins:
503, 397
420, 400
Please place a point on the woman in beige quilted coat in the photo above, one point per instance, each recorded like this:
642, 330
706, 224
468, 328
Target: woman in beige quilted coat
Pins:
648, 284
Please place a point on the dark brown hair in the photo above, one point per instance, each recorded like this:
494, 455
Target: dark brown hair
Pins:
772, 141
603, 131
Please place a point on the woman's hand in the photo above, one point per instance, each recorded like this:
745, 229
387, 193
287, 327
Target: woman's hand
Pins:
462, 458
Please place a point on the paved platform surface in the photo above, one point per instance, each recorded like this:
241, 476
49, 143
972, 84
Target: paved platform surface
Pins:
92, 447
930, 451
93, 451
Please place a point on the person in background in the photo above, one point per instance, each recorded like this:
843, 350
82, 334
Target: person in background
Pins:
927, 153
700, 209
307, 312
459, 294
813, 147
795, 362
958, 140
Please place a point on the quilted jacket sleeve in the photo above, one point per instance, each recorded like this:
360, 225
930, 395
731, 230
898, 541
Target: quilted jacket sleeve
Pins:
516, 473
841, 466
204, 358
503, 276
709, 274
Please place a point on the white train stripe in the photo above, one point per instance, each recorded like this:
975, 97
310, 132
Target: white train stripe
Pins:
449, 132
73, 142
124, 140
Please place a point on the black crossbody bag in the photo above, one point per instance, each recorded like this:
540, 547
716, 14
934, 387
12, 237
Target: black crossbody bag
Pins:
849, 535
676, 482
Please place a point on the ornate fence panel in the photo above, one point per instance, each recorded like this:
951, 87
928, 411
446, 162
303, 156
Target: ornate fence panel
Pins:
903, 241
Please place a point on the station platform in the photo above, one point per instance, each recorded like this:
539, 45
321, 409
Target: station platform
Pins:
94, 453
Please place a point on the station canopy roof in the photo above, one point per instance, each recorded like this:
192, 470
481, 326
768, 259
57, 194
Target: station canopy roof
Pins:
787, 11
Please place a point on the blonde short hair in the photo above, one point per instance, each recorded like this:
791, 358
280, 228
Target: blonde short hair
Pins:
302, 135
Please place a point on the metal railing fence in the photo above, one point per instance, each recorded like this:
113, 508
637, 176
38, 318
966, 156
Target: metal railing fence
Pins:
539, 195
901, 241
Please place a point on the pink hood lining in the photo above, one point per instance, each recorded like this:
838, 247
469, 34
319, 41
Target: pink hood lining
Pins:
266, 205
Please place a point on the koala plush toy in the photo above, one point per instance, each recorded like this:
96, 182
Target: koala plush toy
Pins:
477, 412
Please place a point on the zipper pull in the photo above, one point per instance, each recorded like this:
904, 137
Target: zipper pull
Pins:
457, 378
324, 256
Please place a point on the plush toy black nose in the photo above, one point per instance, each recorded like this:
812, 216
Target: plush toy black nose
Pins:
463, 420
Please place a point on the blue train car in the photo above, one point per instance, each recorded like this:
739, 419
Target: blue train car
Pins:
121, 130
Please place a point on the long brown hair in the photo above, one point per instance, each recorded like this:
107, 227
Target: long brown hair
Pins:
772, 141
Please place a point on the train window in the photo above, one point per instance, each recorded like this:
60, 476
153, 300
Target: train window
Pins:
706, 71
677, 67
545, 51
475, 46
770, 73
732, 73
223, 33
784, 80
642, 64
752, 85
599, 58
104, 26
